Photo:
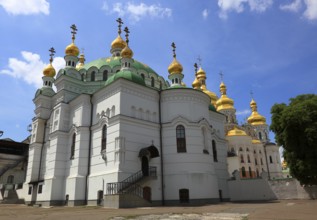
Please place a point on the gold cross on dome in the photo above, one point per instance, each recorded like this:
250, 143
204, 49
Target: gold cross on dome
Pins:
52, 50
196, 67
120, 23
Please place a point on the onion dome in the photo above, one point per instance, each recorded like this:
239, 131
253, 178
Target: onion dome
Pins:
127, 52
49, 69
81, 62
118, 43
255, 118
201, 76
72, 49
236, 132
175, 66
224, 102
196, 84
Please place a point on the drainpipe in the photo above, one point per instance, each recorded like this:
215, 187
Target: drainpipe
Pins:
161, 149
89, 150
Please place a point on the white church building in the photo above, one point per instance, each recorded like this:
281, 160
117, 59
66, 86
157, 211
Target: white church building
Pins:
115, 133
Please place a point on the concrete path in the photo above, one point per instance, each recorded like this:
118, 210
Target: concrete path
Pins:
279, 210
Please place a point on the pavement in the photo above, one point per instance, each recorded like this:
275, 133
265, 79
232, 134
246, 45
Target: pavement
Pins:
277, 210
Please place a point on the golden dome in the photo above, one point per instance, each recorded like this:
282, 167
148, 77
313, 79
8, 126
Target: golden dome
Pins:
236, 132
118, 43
256, 141
72, 50
126, 52
255, 118
175, 67
224, 102
49, 70
81, 62
196, 84
212, 95
201, 74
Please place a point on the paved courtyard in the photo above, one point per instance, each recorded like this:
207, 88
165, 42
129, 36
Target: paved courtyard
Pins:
278, 210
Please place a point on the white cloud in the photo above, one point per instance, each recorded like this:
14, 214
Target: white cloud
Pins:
293, 7
311, 10
30, 68
243, 112
25, 7
135, 12
238, 6
205, 13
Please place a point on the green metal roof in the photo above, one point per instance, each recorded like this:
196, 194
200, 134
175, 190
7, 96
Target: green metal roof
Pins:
115, 61
126, 74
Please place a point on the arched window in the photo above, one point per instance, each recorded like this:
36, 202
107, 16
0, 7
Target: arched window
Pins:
214, 150
240, 149
73, 63
184, 196
72, 150
260, 135
271, 160
93, 75
243, 172
10, 179
247, 149
180, 139
249, 161
250, 172
176, 80
241, 158
104, 138
161, 84
105, 75
255, 161
254, 151
152, 81
173, 81
261, 161
142, 75
69, 63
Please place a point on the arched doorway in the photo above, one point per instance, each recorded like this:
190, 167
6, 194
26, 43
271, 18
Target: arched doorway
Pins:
147, 193
145, 166
99, 197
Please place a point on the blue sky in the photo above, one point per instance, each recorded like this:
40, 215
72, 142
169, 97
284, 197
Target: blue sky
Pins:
269, 47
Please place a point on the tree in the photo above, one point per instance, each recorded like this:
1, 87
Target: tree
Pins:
295, 128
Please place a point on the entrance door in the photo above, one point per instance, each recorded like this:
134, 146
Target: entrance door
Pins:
145, 166
147, 193
100, 197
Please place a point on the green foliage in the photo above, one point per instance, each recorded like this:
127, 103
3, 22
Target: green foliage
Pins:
295, 128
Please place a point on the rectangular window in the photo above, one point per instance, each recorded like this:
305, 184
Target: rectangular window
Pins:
30, 190
40, 189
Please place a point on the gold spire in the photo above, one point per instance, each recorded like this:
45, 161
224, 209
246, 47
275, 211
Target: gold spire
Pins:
82, 60
255, 118
175, 66
127, 52
224, 102
72, 49
49, 69
236, 132
196, 83
118, 42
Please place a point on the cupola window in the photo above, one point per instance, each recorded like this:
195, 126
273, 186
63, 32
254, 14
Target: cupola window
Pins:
152, 81
105, 75
93, 75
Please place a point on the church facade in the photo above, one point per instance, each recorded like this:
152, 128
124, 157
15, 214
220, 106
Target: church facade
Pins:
116, 133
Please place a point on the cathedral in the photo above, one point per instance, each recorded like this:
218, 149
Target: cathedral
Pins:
113, 132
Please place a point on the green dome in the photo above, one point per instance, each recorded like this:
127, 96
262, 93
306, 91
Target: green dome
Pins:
126, 74
115, 61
